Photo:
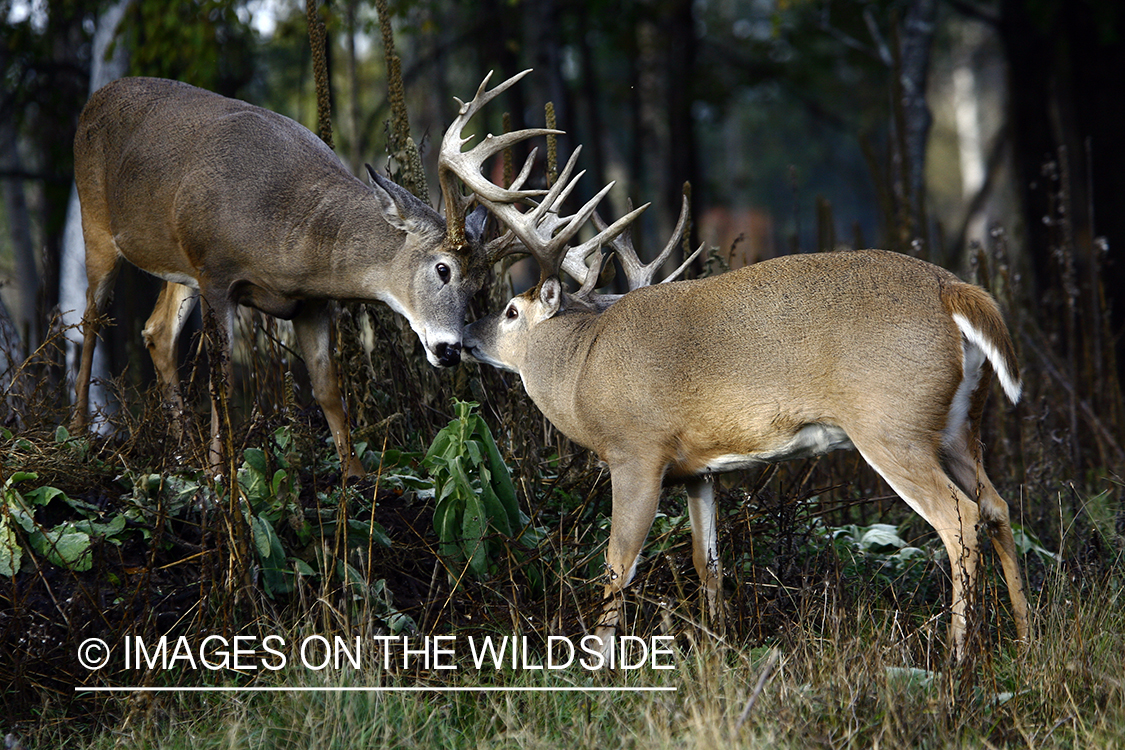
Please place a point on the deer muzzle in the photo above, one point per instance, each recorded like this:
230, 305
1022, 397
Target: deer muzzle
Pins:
448, 354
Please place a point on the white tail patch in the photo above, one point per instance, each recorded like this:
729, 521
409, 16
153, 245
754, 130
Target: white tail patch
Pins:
1012, 386
972, 359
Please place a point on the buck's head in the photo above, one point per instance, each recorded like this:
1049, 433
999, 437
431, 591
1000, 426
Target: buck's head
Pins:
502, 338
437, 270
443, 262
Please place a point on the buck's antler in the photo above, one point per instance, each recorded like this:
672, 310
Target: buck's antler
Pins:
541, 230
453, 162
641, 274
636, 273
546, 233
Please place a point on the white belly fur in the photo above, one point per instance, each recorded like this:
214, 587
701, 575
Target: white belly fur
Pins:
810, 440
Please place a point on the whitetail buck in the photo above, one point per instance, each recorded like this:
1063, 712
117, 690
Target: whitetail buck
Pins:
235, 204
788, 358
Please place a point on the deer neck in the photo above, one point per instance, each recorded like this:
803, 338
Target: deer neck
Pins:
553, 366
356, 253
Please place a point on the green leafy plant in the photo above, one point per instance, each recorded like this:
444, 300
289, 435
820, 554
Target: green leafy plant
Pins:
66, 544
476, 505
271, 490
879, 543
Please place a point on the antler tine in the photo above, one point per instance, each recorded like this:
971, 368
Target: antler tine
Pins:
543, 231
641, 274
575, 260
591, 273
563, 186
525, 172
683, 266
554, 232
453, 162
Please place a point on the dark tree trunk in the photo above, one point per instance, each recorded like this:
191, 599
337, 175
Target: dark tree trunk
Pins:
1067, 104
682, 56
916, 39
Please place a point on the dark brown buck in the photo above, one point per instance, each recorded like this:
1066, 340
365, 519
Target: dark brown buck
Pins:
237, 205
788, 358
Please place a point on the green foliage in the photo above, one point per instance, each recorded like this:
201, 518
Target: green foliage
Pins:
271, 497
268, 482
878, 543
66, 544
475, 497
202, 42
285, 536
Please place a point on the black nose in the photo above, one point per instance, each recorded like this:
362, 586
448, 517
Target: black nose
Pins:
448, 355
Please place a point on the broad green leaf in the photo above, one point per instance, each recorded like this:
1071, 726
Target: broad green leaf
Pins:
275, 572
109, 529
501, 476
494, 510
369, 529
64, 547
475, 454
261, 529
11, 554
303, 568
280, 482
881, 535
475, 525
20, 476
256, 460
439, 445
43, 495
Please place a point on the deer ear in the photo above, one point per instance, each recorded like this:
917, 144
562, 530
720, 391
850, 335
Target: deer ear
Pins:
401, 208
550, 295
475, 223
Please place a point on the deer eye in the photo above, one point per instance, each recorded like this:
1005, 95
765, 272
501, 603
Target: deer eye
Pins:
511, 313
443, 272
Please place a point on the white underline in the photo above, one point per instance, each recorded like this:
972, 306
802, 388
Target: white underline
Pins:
415, 689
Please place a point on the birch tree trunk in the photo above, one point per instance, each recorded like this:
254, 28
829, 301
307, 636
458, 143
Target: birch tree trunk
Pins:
72, 271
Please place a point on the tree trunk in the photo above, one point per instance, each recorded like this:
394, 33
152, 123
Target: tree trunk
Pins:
72, 265
26, 316
1067, 102
916, 39
681, 75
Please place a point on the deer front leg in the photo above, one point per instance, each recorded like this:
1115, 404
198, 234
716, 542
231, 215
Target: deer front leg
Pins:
218, 327
636, 494
313, 327
705, 541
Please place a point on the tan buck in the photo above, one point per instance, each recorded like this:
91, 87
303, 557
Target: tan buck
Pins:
788, 358
238, 205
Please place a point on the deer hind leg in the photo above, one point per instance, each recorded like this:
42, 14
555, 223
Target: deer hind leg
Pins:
705, 542
161, 335
964, 465
313, 328
636, 494
102, 264
914, 472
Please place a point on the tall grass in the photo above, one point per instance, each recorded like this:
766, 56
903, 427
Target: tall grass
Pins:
851, 687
